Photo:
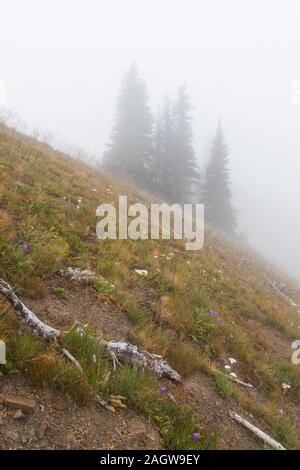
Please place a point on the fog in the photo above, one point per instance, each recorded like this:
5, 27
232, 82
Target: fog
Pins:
62, 63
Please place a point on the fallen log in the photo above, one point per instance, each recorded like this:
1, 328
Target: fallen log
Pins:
130, 353
282, 294
119, 350
258, 432
26, 314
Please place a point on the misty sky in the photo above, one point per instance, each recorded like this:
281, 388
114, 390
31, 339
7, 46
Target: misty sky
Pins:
62, 63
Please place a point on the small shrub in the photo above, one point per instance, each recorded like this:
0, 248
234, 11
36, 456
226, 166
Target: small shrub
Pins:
183, 358
285, 432
223, 384
60, 293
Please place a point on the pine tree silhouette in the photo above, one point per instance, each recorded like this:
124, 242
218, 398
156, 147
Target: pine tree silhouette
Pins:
219, 211
130, 151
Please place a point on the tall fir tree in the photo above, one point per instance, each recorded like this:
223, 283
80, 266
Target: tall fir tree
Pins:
219, 211
130, 152
164, 150
185, 170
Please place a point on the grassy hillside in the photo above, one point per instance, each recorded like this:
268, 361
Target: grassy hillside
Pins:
198, 309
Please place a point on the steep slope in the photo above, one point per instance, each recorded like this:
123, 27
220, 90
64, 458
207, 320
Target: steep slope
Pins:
198, 309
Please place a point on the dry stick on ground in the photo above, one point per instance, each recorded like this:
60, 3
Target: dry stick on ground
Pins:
240, 382
261, 434
118, 349
282, 294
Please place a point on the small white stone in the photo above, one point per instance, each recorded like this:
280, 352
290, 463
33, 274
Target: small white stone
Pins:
141, 272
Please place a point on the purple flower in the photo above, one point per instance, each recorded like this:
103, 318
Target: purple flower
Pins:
195, 436
162, 390
213, 312
25, 247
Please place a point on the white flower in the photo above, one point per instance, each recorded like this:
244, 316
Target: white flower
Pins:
232, 360
227, 367
286, 386
233, 375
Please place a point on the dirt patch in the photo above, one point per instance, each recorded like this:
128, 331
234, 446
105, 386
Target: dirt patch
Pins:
83, 306
214, 411
58, 423
271, 340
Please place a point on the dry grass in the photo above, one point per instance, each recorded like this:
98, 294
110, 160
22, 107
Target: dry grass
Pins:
40, 190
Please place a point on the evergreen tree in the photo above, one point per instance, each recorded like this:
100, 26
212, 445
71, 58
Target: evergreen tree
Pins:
164, 151
185, 172
130, 152
219, 211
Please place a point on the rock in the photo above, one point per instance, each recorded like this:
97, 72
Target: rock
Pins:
19, 414
142, 272
19, 403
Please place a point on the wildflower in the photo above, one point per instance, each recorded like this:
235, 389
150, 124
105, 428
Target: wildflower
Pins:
162, 390
213, 312
227, 367
195, 436
286, 386
232, 360
233, 375
25, 247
